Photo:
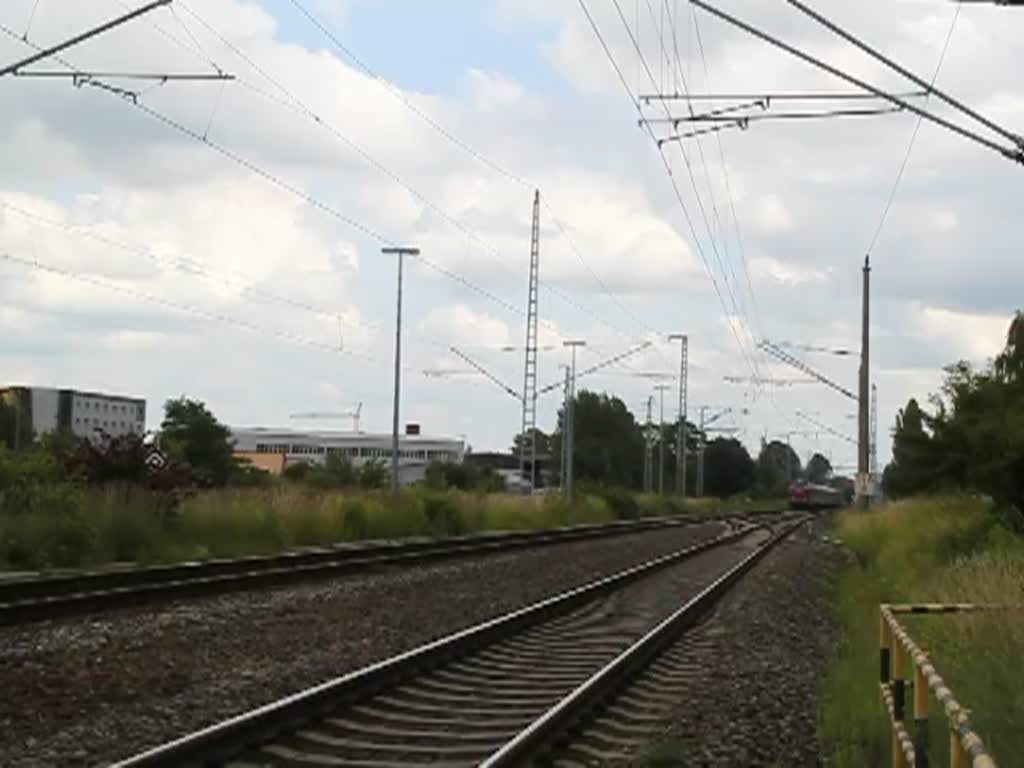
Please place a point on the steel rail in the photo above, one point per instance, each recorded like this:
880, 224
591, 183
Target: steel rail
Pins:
216, 744
532, 741
40, 598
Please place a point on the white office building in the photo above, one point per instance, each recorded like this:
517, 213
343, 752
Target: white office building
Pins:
274, 449
85, 414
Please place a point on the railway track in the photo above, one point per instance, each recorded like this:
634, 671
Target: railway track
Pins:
24, 600
501, 693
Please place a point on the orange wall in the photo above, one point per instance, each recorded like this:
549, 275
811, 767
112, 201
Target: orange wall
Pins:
269, 462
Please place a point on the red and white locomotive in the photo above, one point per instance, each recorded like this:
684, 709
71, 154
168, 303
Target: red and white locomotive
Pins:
812, 496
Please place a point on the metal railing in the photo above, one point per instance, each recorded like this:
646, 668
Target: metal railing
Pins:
896, 647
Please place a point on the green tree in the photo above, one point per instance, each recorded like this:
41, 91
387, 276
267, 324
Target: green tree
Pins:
192, 433
340, 470
819, 469
608, 446
974, 439
728, 468
1009, 365
444, 475
912, 468
777, 466
541, 438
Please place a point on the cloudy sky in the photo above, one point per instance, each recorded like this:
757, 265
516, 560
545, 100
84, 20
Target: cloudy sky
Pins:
222, 240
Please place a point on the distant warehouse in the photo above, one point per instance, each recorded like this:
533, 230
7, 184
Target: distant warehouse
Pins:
274, 449
38, 410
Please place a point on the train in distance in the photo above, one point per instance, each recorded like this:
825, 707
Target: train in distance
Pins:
803, 495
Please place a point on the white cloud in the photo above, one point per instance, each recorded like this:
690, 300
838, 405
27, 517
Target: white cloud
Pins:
977, 337
786, 272
807, 197
462, 324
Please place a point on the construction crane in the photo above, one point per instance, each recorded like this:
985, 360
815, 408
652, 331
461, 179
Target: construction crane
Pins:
353, 413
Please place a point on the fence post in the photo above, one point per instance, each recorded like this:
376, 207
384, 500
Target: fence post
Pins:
884, 641
920, 718
957, 758
898, 759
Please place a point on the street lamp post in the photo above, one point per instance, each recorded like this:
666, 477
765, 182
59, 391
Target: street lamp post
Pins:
400, 252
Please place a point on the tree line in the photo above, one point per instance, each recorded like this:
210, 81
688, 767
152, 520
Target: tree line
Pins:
970, 438
609, 451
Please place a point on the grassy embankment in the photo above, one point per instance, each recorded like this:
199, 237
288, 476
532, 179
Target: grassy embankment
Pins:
68, 526
925, 550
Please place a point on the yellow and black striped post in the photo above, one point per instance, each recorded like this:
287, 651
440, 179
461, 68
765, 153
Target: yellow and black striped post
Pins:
884, 641
920, 718
898, 758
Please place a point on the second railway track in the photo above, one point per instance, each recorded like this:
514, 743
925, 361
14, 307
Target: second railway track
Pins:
24, 600
500, 693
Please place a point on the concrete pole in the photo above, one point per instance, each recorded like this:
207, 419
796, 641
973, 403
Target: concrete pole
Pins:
573, 344
700, 456
661, 438
400, 252
565, 426
864, 394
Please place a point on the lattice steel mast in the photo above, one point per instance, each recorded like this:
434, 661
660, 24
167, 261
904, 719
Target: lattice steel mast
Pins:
528, 442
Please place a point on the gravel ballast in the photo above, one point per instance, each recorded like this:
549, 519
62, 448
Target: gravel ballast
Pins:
754, 668
88, 691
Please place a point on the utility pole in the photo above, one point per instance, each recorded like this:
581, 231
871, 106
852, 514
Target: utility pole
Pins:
681, 442
863, 394
648, 448
565, 430
661, 438
572, 344
873, 462
529, 423
17, 420
700, 455
400, 252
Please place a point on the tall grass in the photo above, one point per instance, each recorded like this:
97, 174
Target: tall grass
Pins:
70, 526
925, 550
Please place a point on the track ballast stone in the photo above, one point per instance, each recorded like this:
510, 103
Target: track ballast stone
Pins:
739, 690
83, 691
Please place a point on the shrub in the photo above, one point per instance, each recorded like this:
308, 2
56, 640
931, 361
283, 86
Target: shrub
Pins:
444, 516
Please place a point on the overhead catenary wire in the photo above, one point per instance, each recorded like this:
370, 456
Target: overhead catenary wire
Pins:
738, 307
699, 132
683, 81
303, 195
31, 18
277, 332
47, 52
743, 351
826, 427
469, 150
913, 139
668, 169
771, 96
197, 267
737, 229
294, 103
161, 76
930, 87
767, 116
1016, 153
